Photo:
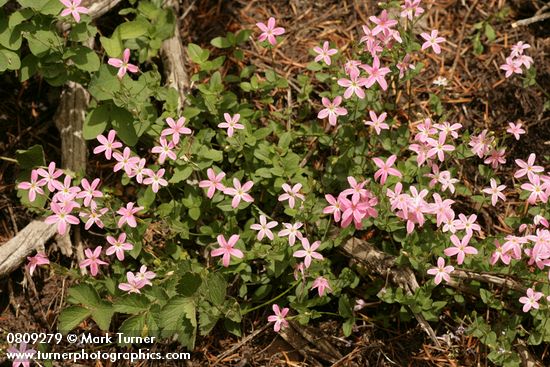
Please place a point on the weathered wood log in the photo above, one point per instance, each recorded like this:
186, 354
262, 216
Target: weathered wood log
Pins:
33, 237
173, 57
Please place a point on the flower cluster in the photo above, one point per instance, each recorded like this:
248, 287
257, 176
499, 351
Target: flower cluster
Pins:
517, 59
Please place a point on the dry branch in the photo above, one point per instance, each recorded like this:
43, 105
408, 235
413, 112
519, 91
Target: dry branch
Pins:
96, 9
533, 19
14, 252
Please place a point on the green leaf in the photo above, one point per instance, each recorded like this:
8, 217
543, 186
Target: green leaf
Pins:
102, 314
3, 2
181, 173
132, 304
216, 287
123, 123
31, 158
490, 33
96, 122
43, 41
71, 317
13, 61
133, 326
84, 294
133, 29
197, 54
82, 31
104, 83
220, 42
35, 4
112, 46
85, 58
10, 37
243, 36
52, 7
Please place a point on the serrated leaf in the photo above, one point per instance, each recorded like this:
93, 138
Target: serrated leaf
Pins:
71, 317
102, 315
84, 294
132, 304
215, 288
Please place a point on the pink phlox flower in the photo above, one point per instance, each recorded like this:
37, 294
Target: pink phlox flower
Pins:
291, 194
322, 285
155, 179
324, 53
213, 183
62, 217
433, 41
278, 318
511, 66
518, 48
73, 8
292, 231
352, 66
411, 9
353, 85
357, 189
468, 224
66, 189
125, 161
537, 188
447, 182
383, 23
239, 192
308, 252
227, 249
269, 31
377, 122
500, 254
539, 219
89, 191
49, 176
92, 260
334, 207
481, 143
376, 74
385, 169
139, 170
495, 192
33, 186
299, 271
332, 110
425, 130
405, 65
145, 275
264, 228
531, 301
107, 144
442, 209
460, 248
127, 215
528, 168
421, 151
118, 246
374, 47
94, 217
496, 158
449, 129
23, 356
435, 176
231, 123
165, 150
39, 259
438, 147
524, 60
134, 284
176, 129
515, 129
123, 64
441, 272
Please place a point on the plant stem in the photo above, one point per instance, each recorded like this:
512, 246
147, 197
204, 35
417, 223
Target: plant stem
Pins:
271, 300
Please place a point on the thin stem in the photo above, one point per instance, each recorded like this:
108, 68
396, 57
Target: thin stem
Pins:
271, 300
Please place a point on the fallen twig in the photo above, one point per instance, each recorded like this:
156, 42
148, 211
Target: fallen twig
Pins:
531, 20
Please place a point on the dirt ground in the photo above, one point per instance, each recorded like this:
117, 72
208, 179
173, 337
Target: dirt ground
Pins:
477, 96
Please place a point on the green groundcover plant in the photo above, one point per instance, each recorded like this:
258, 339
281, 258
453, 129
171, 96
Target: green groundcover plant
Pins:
240, 199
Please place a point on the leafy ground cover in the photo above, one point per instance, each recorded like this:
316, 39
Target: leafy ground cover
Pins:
260, 111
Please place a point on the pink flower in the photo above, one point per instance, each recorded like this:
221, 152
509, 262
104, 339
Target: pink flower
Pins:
118, 246
518, 49
278, 318
501, 254
383, 23
496, 158
89, 191
33, 186
125, 161
321, 284
139, 170
176, 129
538, 190
226, 249
333, 208
432, 40
107, 144
411, 9
480, 144
62, 217
376, 74
448, 129
92, 260
441, 272
134, 284
50, 176
291, 193
37, 260
270, 31
511, 66
385, 169
467, 223
155, 179
332, 110
213, 183
442, 209
145, 275
404, 65
495, 192
308, 252
165, 150
460, 249
264, 228
239, 192
291, 230
357, 190
93, 217
231, 123
122, 64
73, 7
127, 215
531, 301
352, 65
528, 168
377, 122
66, 189
354, 85
438, 147
515, 129
324, 53
22, 356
